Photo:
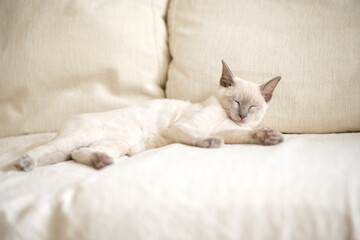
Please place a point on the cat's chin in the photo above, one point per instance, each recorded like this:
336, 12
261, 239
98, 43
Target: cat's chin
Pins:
245, 124
241, 123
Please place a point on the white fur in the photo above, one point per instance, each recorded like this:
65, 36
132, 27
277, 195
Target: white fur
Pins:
98, 138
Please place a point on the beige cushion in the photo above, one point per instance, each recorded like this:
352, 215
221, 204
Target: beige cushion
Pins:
307, 188
61, 58
313, 45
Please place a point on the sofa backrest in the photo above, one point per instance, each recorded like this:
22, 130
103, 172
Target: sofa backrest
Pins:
313, 44
61, 58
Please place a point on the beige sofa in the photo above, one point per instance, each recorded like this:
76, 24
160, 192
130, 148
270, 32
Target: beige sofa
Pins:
61, 58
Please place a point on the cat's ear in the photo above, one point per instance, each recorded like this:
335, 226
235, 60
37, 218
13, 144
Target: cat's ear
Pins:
227, 78
267, 89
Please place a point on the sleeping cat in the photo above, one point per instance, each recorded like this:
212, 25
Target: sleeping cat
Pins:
228, 117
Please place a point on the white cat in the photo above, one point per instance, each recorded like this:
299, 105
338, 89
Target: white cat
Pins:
98, 138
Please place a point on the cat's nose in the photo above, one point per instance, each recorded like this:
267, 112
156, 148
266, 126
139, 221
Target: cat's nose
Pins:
242, 116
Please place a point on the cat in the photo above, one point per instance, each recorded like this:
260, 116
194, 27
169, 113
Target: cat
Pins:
228, 117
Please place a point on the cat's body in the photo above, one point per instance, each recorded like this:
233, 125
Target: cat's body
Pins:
98, 138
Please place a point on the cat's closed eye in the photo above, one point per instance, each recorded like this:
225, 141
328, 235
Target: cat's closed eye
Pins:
253, 107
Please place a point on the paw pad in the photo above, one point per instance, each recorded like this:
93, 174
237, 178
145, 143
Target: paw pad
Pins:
102, 160
25, 163
268, 136
212, 142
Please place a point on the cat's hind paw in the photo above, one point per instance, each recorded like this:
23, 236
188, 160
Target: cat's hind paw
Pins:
102, 160
268, 136
212, 142
25, 163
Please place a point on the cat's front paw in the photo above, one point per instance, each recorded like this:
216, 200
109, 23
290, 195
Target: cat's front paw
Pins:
25, 163
268, 136
212, 142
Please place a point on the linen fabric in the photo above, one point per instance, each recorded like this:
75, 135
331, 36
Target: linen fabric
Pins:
61, 58
308, 187
313, 45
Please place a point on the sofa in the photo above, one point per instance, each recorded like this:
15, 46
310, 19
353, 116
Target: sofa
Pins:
62, 58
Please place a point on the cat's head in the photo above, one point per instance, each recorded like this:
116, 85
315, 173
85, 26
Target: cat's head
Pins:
244, 102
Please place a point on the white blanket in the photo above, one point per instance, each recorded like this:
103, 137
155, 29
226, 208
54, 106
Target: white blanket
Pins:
306, 188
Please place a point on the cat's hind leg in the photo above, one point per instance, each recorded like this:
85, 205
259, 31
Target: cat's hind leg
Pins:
91, 157
101, 153
59, 149
31, 159
55, 151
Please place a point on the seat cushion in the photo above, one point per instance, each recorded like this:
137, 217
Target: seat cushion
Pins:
308, 187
